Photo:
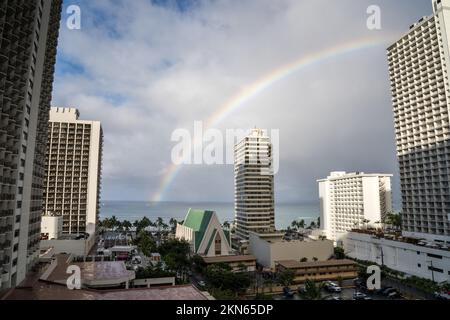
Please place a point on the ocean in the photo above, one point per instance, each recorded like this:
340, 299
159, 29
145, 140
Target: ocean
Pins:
131, 211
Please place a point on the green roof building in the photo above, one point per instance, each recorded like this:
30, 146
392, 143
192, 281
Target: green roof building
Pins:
202, 229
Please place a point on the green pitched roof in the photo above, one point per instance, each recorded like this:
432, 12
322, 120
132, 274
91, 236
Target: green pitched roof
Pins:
198, 221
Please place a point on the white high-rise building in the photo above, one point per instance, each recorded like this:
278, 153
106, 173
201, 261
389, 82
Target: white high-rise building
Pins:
29, 32
73, 170
419, 67
352, 200
254, 188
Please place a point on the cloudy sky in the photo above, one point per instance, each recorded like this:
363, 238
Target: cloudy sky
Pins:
146, 68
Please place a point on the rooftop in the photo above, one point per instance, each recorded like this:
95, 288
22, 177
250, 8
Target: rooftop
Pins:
293, 264
397, 236
92, 273
228, 259
46, 291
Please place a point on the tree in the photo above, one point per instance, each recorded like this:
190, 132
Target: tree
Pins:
113, 222
318, 222
394, 220
226, 225
221, 277
315, 259
286, 277
339, 253
302, 224
145, 243
312, 225
173, 224
126, 225
304, 260
312, 291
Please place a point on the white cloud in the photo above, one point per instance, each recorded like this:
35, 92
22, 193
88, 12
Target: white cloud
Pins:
149, 69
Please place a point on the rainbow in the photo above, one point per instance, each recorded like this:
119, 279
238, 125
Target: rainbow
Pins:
249, 92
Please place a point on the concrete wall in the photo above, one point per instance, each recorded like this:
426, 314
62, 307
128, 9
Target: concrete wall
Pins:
52, 226
75, 247
408, 258
267, 253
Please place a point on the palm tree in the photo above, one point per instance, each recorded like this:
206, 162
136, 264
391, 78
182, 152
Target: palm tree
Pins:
294, 225
302, 224
366, 223
312, 291
173, 224
113, 222
226, 225
126, 225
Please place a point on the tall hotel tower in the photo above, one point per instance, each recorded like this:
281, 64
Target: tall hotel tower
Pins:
28, 40
419, 66
73, 170
253, 185
349, 200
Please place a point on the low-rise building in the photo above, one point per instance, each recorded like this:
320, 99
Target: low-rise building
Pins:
237, 263
408, 255
319, 270
202, 229
269, 248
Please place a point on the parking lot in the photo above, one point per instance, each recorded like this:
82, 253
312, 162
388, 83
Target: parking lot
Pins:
347, 293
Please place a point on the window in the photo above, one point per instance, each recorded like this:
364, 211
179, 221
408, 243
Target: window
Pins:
419, 265
435, 269
434, 256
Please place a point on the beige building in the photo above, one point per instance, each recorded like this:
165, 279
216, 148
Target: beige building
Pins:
73, 170
237, 263
28, 36
254, 185
419, 66
270, 248
320, 270
351, 200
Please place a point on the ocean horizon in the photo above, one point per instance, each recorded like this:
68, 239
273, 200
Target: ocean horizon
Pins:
285, 213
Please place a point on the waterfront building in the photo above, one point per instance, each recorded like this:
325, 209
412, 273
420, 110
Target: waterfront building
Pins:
73, 170
419, 65
350, 200
254, 185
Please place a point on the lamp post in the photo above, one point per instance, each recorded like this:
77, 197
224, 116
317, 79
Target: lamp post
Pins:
432, 269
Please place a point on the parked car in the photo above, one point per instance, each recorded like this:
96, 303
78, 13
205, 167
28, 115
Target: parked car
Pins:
301, 290
332, 287
288, 293
382, 290
389, 291
202, 283
334, 298
359, 296
394, 295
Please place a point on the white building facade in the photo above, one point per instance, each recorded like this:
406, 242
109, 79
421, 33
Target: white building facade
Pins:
352, 200
414, 260
254, 185
73, 170
419, 66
